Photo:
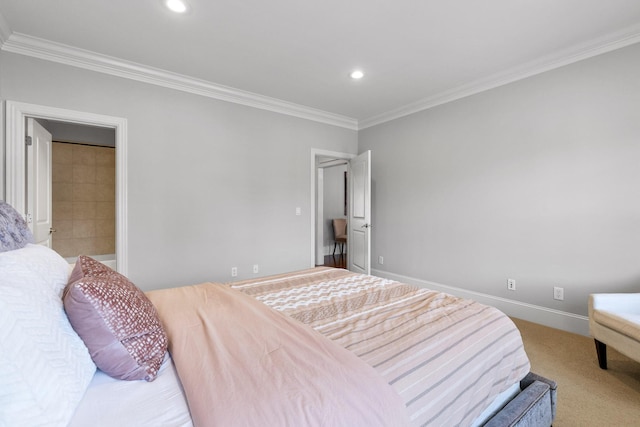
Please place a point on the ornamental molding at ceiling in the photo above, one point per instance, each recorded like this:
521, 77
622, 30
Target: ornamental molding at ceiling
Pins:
24, 44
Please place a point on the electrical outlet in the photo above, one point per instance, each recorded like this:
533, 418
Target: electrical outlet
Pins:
511, 284
380, 260
234, 271
558, 293
255, 269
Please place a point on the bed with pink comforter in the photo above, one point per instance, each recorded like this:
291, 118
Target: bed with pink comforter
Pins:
327, 347
244, 364
447, 357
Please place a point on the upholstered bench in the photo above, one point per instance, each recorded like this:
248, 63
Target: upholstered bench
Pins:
614, 319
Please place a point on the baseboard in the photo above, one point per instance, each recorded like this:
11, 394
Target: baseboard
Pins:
562, 320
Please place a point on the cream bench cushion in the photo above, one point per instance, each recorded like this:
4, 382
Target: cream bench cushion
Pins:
614, 319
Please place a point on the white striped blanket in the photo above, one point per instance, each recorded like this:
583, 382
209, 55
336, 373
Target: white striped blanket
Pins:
447, 357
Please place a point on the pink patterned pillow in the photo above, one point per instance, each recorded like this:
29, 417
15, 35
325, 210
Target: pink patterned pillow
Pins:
116, 321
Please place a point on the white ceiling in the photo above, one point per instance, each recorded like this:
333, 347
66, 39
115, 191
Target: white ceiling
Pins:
415, 53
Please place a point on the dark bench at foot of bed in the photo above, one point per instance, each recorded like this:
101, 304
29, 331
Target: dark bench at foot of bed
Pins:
534, 406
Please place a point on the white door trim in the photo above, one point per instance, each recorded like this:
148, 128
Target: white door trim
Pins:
315, 153
15, 173
319, 211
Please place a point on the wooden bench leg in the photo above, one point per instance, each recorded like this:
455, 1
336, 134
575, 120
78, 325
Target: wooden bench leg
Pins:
601, 349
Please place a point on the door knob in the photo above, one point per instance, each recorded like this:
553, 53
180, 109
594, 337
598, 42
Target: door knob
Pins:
52, 230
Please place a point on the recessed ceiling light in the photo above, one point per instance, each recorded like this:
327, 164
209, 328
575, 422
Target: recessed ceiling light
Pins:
357, 74
177, 6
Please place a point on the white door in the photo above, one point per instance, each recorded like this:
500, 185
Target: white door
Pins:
359, 222
39, 198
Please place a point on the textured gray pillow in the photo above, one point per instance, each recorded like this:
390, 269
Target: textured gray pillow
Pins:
14, 232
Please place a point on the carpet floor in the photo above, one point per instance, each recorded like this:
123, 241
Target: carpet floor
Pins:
587, 395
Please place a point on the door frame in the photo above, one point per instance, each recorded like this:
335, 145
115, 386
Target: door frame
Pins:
315, 193
15, 159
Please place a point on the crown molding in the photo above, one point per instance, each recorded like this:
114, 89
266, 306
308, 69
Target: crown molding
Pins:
611, 42
44, 49
51, 51
5, 31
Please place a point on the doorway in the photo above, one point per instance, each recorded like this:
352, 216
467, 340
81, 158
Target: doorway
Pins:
16, 192
321, 232
332, 189
83, 191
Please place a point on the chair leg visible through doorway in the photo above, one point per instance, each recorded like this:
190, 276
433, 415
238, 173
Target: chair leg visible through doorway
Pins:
340, 234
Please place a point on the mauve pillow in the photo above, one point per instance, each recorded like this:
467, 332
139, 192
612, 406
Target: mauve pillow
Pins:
116, 321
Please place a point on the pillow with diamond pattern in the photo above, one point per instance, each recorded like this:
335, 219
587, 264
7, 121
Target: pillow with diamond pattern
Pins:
116, 321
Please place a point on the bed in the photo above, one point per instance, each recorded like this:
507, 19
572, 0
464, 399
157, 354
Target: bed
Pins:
453, 361
315, 347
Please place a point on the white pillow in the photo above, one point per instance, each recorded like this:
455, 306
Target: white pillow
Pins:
45, 367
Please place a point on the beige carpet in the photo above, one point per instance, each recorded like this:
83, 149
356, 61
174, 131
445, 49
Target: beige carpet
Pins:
587, 395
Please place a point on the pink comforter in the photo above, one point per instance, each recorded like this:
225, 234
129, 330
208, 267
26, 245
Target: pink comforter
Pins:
242, 363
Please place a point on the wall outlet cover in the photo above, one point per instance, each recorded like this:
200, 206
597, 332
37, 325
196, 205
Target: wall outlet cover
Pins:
558, 293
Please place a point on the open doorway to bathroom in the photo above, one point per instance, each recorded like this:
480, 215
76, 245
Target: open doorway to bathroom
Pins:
16, 192
83, 191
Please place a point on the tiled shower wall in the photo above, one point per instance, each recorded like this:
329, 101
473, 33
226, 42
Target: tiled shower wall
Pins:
83, 199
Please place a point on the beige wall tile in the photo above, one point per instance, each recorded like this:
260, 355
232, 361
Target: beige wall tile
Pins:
84, 210
62, 210
84, 155
62, 192
105, 245
105, 175
105, 210
64, 229
83, 228
85, 246
65, 247
84, 174
62, 153
84, 200
61, 173
105, 193
105, 228
106, 156
84, 193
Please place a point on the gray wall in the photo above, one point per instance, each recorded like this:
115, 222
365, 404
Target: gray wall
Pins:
538, 181
211, 184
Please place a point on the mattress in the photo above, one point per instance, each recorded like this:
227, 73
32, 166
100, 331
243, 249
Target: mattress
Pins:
448, 358
109, 402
